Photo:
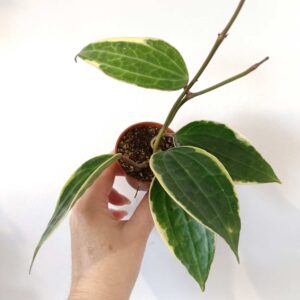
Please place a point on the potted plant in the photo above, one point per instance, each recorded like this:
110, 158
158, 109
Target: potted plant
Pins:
190, 173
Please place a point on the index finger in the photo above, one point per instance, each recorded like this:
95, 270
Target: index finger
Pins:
97, 194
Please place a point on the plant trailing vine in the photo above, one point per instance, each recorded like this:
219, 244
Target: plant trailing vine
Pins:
185, 95
192, 194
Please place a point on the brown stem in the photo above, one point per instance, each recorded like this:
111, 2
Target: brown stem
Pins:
187, 88
218, 42
224, 82
142, 165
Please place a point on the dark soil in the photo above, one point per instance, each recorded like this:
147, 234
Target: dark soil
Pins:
136, 148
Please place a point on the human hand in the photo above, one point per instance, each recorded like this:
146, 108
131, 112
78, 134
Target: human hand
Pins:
106, 251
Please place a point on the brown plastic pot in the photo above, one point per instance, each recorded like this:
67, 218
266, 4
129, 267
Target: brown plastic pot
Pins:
135, 183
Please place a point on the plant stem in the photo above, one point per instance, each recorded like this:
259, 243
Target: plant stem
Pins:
177, 104
168, 121
142, 165
218, 42
224, 82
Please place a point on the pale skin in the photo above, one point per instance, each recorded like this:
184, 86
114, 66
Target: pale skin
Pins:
106, 251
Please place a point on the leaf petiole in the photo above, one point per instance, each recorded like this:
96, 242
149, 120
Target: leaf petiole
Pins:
224, 82
177, 104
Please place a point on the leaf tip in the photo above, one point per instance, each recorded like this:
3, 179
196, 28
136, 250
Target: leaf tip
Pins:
31, 265
235, 250
33, 257
30, 268
234, 244
273, 179
277, 180
202, 286
237, 256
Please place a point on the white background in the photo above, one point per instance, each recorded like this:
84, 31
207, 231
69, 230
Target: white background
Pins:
55, 114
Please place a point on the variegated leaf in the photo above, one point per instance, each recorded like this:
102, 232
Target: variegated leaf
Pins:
146, 62
199, 183
74, 188
191, 242
240, 158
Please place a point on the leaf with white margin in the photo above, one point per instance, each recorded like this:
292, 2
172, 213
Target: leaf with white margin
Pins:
146, 62
189, 241
199, 183
74, 188
240, 158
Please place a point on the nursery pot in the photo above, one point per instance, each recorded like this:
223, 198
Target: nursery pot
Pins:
134, 143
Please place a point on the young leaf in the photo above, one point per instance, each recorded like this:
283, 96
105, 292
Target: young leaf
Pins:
74, 188
188, 240
146, 62
200, 184
240, 159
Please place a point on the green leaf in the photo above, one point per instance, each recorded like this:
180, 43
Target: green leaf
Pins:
146, 62
240, 159
189, 240
74, 188
200, 184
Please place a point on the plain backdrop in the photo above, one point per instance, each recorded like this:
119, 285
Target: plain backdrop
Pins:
55, 114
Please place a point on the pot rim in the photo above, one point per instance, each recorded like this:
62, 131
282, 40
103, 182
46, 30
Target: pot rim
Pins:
136, 125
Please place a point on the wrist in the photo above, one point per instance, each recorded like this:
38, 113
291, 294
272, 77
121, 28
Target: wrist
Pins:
101, 289
111, 278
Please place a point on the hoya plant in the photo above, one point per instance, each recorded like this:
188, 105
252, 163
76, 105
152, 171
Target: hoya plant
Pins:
190, 173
